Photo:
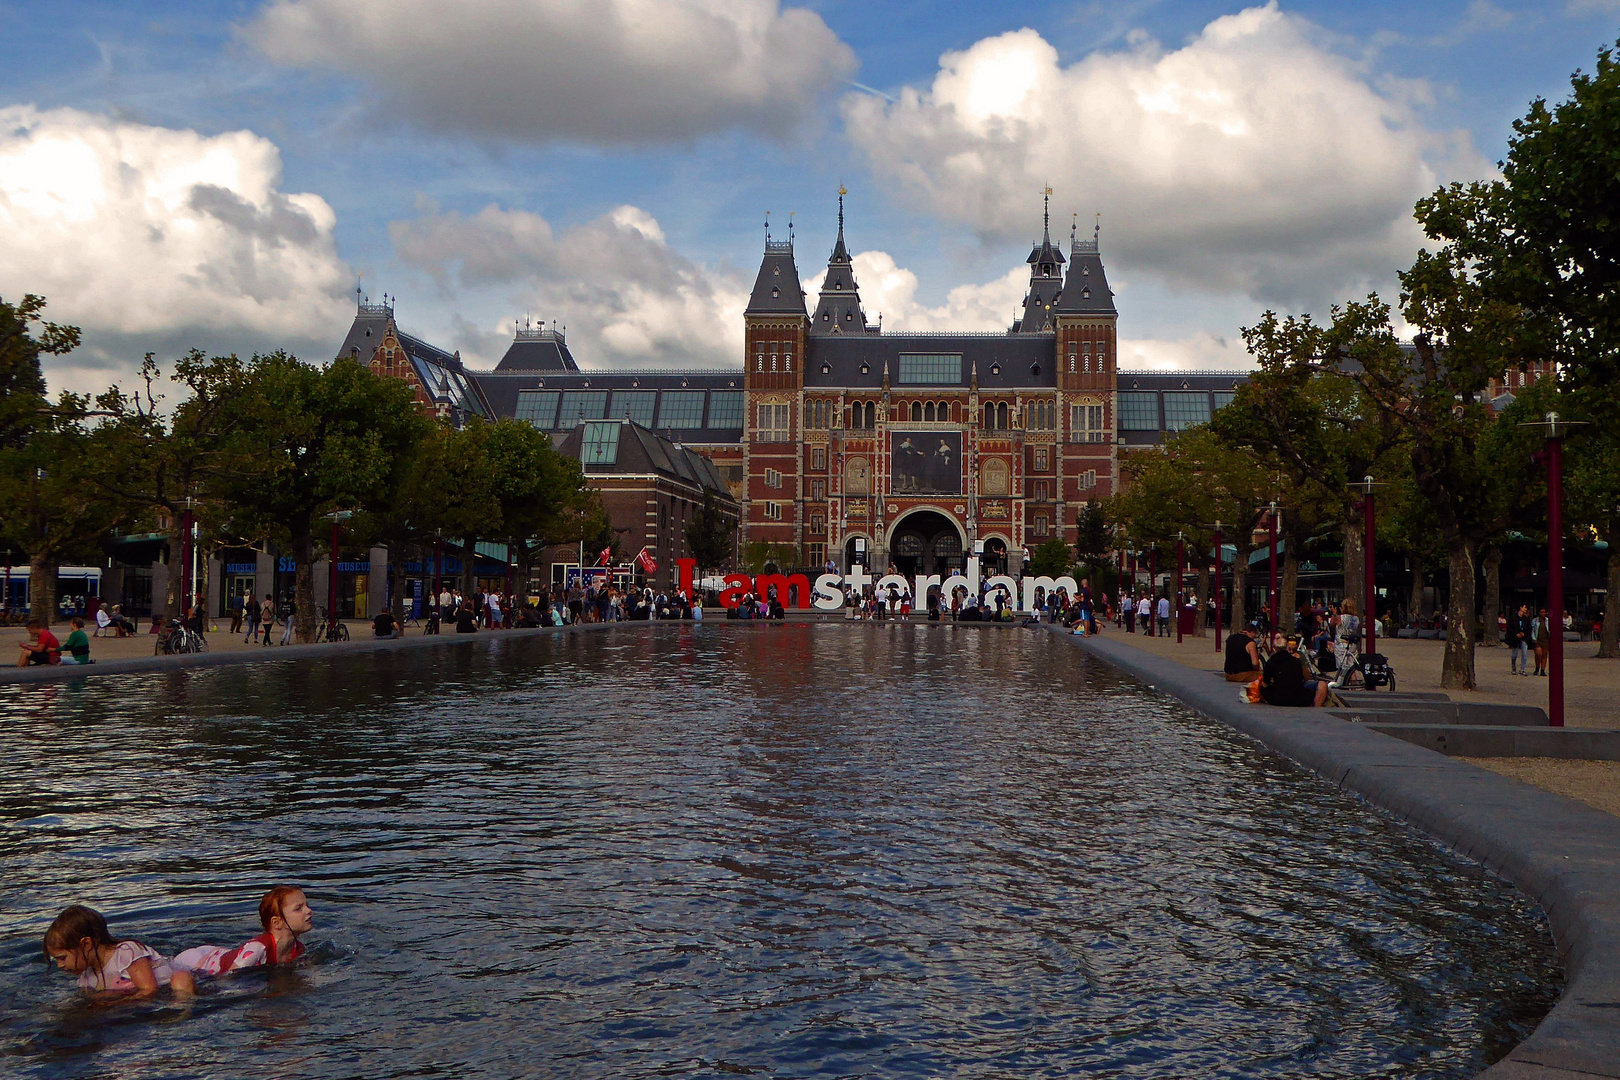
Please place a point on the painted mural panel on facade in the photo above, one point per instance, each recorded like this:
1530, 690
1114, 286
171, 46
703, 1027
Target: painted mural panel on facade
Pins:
925, 462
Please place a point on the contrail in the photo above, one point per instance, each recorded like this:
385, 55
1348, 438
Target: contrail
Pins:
874, 90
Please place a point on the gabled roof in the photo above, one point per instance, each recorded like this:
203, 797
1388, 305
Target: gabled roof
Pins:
643, 451
777, 290
538, 350
1086, 292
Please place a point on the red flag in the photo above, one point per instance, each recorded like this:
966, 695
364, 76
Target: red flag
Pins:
648, 563
605, 558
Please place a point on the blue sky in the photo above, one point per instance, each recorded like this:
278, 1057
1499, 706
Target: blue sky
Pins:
1241, 157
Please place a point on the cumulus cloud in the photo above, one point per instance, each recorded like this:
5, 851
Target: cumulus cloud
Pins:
1252, 160
609, 71
1198, 351
625, 295
158, 239
892, 291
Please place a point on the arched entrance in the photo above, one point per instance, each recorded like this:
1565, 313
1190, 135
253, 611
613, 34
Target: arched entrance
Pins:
851, 556
994, 560
926, 542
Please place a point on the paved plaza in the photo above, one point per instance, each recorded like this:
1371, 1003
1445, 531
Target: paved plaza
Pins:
1590, 687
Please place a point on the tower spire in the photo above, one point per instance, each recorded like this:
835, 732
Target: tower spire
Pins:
841, 193
1046, 214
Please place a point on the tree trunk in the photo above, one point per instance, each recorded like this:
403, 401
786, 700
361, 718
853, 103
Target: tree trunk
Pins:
1457, 673
1240, 584
1355, 560
303, 545
396, 583
1201, 592
1288, 588
42, 571
1420, 584
1609, 640
1493, 597
469, 567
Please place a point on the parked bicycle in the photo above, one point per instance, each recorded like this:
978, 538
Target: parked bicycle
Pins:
177, 638
331, 629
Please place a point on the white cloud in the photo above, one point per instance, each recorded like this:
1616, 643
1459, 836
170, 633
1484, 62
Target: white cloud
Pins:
625, 295
892, 291
157, 239
1252, 160
608, 71
1198, 351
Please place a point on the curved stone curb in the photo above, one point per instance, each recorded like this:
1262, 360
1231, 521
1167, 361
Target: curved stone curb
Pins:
146, 664
1563, 854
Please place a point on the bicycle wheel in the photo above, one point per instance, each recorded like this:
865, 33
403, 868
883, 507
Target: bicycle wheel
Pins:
342, 632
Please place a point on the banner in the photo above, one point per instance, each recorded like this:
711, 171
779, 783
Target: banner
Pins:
605, 557
648, 563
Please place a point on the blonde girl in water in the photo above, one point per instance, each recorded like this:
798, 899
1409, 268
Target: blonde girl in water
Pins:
284, 913
78, 943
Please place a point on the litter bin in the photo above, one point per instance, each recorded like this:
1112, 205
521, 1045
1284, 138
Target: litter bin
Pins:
1187, 620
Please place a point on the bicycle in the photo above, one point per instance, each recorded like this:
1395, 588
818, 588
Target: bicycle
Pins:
331, 630
178, 639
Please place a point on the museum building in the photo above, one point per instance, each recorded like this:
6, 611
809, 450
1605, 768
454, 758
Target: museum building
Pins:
843, 441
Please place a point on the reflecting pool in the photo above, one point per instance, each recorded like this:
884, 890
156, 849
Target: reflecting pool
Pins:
780, 850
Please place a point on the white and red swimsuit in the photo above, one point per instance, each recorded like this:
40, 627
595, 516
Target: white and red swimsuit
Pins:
213, 960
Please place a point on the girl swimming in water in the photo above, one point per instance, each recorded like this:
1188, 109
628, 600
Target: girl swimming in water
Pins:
79, 944
285, 915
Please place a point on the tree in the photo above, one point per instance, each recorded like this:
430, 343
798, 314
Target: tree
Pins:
23, 405
1313, 421
1093, 538
1436, 395
1051, 559
331, 438
711, 535
148, 461
1541, 239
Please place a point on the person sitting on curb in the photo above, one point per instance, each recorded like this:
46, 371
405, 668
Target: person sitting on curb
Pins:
1242, 658
384, 625
77, 646
1283, 681
40, 646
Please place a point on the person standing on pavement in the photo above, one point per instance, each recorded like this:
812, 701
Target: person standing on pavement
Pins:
1164, 616
1518, 641
236, 613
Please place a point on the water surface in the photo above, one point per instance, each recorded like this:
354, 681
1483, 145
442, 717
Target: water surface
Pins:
778, 850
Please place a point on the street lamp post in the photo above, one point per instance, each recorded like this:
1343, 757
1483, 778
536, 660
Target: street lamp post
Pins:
185, 564
1181, 567
1220, 559
1271, 602
1556, 429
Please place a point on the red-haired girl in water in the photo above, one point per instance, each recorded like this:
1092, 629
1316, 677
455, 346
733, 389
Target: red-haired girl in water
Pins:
285, 914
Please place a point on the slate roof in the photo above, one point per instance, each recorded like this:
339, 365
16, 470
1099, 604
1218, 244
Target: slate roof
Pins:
645, 451
441, 374
1004, 361
538, 350
1086, 292
777, 290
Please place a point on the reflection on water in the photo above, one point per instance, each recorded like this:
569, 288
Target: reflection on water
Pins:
785, 850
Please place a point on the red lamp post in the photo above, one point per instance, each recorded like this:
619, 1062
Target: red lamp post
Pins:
332, 575
1556, 428
186, 541
1220, 559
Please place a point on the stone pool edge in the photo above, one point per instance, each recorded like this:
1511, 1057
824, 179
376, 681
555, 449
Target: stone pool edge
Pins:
1561, 853
144, 665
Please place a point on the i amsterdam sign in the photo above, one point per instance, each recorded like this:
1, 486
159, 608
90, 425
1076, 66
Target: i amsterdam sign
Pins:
795, 590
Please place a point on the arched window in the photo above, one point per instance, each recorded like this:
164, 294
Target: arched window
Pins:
871, 414
994, 477
928, 413
916, 411
1001, 416
989, 416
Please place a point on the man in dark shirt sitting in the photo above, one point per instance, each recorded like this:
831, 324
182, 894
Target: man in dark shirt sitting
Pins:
1242, 658
384, 625
1283, 681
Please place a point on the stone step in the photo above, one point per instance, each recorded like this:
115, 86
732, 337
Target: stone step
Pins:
1574, 744
1479, 713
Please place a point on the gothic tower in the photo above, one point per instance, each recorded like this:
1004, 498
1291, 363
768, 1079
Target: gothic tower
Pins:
1087, 363
775, 328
